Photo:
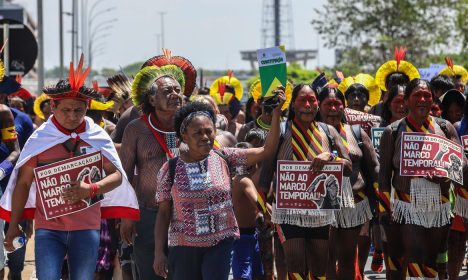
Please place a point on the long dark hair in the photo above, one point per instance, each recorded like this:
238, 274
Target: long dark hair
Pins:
324, 94
357, 88
392, 93
396, 78
295, 93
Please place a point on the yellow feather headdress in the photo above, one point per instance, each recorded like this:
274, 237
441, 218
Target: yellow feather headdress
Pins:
256, 92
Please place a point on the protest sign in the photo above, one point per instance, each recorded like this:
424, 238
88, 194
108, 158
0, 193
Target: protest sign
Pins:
272, 69
300, 188
429, 154
376, 133
52, 179
365, 120
464, 142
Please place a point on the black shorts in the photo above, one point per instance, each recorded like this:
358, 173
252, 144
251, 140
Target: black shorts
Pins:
290, 232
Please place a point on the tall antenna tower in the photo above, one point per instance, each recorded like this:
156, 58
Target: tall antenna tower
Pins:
277, 24
277, 29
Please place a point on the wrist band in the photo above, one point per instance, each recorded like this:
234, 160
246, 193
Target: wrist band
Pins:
7, 167
93, 189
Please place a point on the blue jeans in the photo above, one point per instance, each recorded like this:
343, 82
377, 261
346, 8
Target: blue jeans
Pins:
201, 263
52, 246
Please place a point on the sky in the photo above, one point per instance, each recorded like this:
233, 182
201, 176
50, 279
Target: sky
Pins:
210, 33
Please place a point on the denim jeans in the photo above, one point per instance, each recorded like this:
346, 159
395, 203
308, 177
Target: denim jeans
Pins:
201, 263
52, 246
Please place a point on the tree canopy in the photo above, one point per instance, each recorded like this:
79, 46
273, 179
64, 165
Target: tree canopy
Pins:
365, 32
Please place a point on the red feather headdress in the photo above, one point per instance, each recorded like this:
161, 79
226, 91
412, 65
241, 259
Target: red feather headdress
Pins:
74, 88
399, 55
190, 74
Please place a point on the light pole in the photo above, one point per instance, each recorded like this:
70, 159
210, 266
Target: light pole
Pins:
90, 46
162, 28
40, 33
61, 36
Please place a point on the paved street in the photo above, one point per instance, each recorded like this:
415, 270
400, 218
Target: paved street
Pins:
29, 269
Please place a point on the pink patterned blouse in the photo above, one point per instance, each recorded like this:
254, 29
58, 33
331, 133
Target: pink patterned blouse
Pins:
202, 213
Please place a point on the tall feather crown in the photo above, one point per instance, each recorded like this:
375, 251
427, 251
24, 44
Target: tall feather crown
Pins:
74, 87
167, 59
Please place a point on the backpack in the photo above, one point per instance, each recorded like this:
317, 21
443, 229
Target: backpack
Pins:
331, 141
440, 122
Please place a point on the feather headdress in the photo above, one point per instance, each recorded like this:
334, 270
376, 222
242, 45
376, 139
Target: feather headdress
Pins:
74, 87
167, 59
397, 65
319, 82
38, 103
146, 77
256, 92
366, 81
225, 88
454, 70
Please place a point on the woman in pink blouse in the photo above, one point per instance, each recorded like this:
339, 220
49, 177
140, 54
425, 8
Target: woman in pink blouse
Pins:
196, 216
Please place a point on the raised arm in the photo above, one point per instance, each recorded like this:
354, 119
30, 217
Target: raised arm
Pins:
268, 151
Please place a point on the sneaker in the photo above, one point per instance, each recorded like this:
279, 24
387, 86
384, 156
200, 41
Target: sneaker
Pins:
377, 262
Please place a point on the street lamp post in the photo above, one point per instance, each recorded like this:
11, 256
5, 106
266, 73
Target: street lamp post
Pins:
162, 28
61, 36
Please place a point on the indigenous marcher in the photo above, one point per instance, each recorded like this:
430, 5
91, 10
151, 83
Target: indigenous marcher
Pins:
440, 84
252, 110
121, 86
420, 209
355, 213
393, 72
436, 109
361, 92
304, 233
17, 103
246, 261
266, 235
149, 141
458, 74
227, 92
193, 192
65, 135
394, 107
108, 236
453, 102
263, 120
9, 152
42, 108
23, 129
457, 234
97, 110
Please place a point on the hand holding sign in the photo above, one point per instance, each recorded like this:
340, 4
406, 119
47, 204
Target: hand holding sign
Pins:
319, 161
78, 191
278, 99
